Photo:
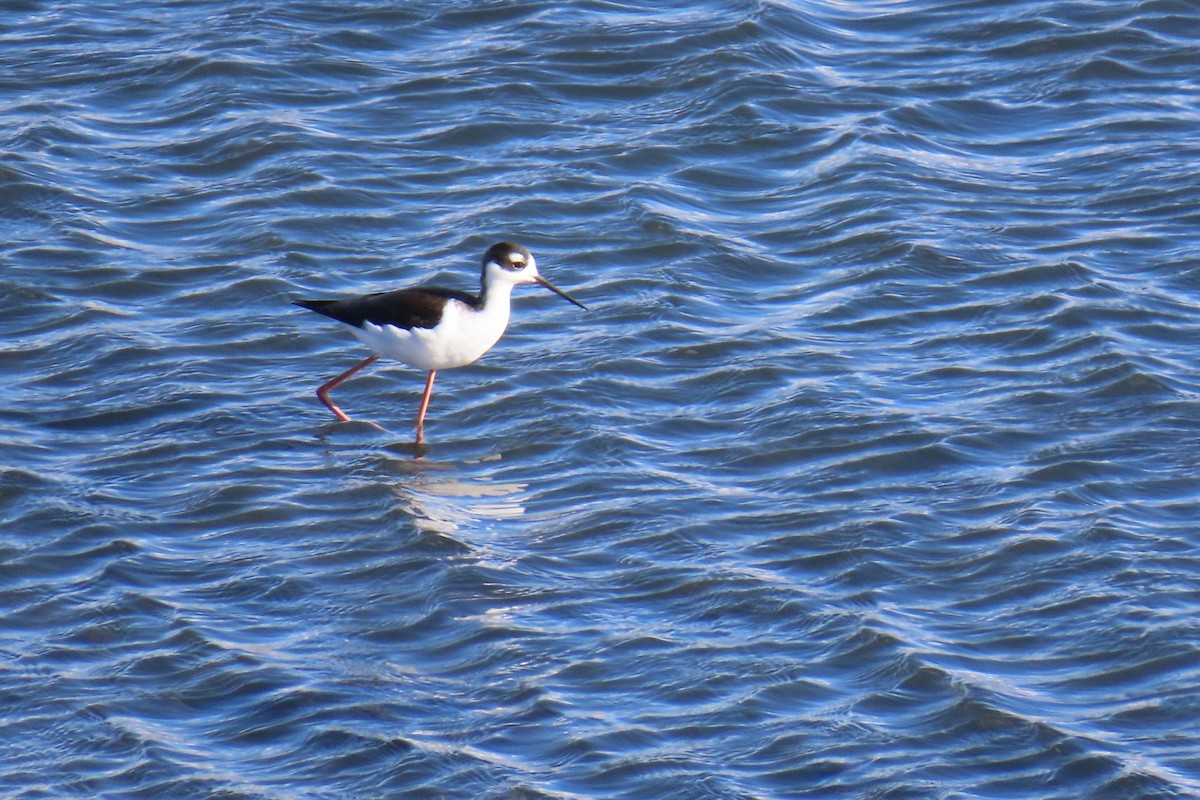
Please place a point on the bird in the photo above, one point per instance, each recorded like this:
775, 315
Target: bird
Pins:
432, 328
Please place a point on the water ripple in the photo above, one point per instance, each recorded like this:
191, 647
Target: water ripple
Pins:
868, 474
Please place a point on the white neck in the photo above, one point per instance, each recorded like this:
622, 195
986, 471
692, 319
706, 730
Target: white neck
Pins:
496, 296
497, 286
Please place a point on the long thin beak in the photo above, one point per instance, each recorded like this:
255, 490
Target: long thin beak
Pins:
559, 291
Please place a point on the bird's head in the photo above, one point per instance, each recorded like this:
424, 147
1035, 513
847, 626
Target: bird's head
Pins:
512, 263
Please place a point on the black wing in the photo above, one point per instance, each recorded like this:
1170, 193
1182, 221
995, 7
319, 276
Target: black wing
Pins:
404, 308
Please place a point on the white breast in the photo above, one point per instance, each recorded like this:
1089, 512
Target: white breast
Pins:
460, 337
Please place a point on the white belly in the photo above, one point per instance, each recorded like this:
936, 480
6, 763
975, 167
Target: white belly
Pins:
460, 338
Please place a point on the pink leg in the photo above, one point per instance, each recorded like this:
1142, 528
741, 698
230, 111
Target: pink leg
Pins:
424, 407
323, 392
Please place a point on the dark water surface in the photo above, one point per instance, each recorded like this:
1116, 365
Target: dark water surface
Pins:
872, 472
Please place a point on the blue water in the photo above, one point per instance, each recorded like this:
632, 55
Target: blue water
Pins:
872, 472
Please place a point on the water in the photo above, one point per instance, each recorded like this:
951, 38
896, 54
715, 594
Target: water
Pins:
870, 473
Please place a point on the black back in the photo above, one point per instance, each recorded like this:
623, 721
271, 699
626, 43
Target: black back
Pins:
404, 308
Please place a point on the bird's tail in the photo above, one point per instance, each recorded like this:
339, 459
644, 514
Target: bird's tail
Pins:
319, 306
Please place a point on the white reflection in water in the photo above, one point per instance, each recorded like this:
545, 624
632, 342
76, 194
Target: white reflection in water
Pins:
440, 504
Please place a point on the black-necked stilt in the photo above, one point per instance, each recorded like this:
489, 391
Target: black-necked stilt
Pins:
432, 328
